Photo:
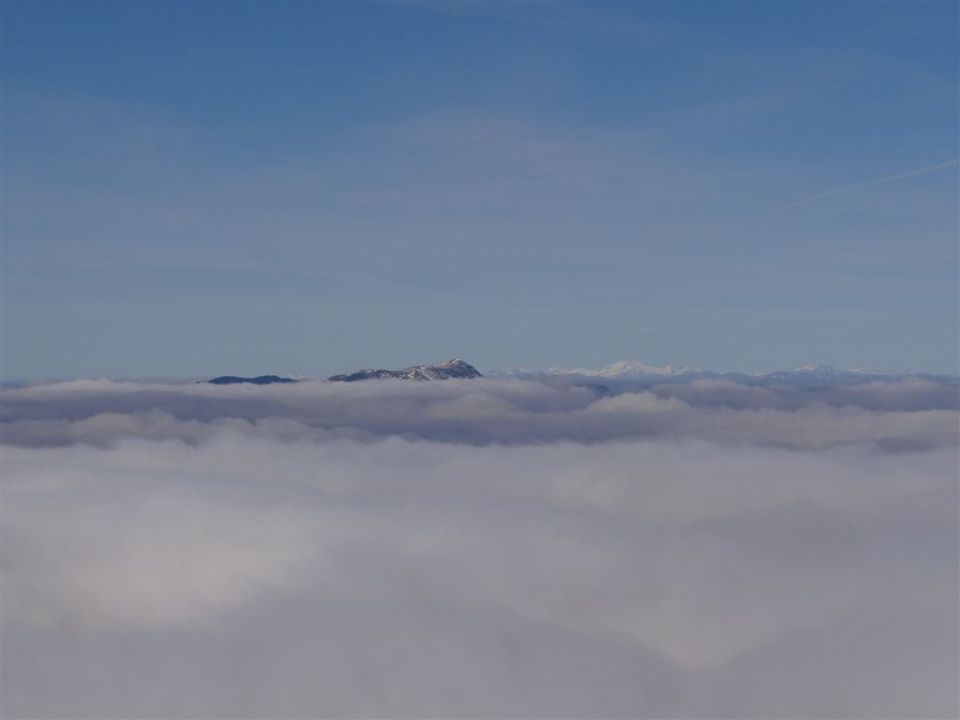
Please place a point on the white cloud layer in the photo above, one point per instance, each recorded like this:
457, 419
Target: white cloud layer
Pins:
491, 548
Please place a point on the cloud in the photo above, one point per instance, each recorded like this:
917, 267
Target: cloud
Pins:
486, 411
492, 548
868, 183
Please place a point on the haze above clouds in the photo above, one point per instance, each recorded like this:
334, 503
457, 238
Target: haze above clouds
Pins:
489, 547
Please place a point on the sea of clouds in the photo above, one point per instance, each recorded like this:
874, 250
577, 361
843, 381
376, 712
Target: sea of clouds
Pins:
480, 548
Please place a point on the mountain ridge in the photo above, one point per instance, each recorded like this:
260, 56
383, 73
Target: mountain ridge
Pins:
258, 380
635, 372
623, 373
453, 368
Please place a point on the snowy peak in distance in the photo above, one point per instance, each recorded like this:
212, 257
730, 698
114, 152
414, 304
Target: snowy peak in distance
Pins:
449, 369
627, 369
634, 373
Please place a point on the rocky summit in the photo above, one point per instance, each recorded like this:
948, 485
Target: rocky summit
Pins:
441, 371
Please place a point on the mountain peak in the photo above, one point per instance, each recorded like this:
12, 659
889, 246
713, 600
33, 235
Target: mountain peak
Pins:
816, 368
446, 370
625, 369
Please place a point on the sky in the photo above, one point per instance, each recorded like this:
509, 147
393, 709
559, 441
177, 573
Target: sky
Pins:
193, 189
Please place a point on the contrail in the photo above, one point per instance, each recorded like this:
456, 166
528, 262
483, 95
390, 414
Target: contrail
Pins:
867, 183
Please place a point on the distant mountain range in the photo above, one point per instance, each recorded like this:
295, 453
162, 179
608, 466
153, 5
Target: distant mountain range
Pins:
633, 372
628, 368
447, 370
453, 368
621, 374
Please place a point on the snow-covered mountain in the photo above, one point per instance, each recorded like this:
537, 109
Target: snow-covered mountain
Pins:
446, 370
627, 369
620, 371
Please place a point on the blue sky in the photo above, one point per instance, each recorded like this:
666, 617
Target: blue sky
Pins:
201, 188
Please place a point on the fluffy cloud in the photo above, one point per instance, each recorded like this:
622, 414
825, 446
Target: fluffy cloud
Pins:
904, 414
485, 548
